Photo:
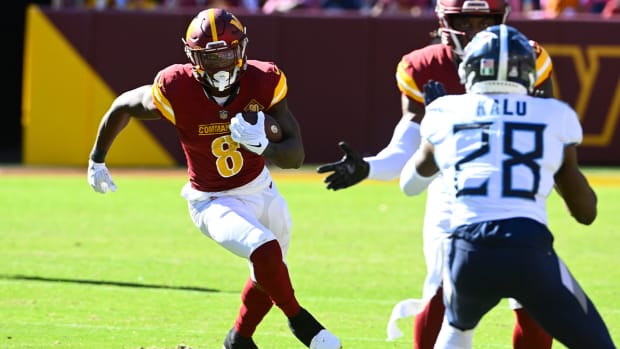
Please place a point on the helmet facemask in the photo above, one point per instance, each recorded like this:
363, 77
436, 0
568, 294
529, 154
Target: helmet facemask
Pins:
218, 64
459, 39
449, 10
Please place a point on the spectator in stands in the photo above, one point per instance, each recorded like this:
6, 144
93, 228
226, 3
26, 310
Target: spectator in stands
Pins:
596, 6
136, 4
612, 8
283, 6
527, 6
413, 8
253, 5
67, 3
107, 4
344, 4
565, 8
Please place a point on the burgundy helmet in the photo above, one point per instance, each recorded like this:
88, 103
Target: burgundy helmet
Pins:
215, 43
446, 10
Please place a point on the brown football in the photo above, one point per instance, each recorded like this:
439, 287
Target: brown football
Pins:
272, 128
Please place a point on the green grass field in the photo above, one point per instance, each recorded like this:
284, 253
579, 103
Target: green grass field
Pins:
129, 270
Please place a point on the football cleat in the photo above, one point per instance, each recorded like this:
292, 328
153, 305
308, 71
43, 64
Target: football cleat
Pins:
235, 341
325, 340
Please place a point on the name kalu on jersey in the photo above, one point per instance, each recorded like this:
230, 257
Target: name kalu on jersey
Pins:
502, 107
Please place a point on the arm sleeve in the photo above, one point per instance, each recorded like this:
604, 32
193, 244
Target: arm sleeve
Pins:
388, 163
573, 133
411, 182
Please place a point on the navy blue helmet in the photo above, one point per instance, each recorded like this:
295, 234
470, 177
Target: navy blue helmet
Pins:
499, 59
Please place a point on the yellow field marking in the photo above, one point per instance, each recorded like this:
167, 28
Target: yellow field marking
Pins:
604, 181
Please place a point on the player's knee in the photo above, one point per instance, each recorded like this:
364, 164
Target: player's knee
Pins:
267, 257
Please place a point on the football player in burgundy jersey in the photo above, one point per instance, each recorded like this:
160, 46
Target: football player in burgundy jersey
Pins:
502, 151
230, 193
459, 21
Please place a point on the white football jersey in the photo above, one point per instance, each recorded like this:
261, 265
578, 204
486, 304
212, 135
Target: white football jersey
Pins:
499, 152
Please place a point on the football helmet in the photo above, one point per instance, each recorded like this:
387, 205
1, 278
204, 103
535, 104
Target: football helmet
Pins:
447, 10
499, 59
215, 43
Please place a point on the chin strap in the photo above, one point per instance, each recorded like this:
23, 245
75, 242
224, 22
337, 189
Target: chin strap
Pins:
233, 93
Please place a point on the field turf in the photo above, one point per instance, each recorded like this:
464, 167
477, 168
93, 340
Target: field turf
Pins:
129, 270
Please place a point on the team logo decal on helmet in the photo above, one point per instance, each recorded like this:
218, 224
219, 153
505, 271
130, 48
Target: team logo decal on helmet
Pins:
215, 43
499, 60
487, 67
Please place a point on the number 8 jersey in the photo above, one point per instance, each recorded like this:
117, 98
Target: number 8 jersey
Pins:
215, 162
499, 152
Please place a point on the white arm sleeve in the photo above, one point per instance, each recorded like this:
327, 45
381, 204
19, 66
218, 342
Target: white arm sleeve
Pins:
388, 163
411, 182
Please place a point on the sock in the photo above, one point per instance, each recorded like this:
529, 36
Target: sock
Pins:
272, 276
528, 334
255, 304
427, 323
304, 326
453, 338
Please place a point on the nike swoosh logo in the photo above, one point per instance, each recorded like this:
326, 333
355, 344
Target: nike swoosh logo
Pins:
254, 145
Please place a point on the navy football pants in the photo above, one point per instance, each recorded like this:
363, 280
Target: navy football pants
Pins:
514, 258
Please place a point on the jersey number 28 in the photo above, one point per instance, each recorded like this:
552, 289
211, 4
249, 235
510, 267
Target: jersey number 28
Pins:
515, 157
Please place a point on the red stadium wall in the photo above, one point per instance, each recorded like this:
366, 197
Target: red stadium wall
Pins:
340, 68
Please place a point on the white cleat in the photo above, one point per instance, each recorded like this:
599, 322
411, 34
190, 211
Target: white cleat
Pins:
325, 340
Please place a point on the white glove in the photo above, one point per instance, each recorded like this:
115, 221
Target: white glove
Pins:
252, 137
99, 177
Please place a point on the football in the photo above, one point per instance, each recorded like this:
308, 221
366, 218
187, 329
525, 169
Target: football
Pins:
272, 128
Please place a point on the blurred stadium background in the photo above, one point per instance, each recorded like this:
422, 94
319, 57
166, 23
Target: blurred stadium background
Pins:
71, 63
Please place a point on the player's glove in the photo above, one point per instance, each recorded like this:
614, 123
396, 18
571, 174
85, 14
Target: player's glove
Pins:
433, 90
252, 137
351, 169
99, 177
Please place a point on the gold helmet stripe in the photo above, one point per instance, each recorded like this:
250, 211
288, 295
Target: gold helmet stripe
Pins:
237, 23
211, 14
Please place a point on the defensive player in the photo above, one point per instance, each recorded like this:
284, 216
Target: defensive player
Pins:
502, 151
459, 21
230, 193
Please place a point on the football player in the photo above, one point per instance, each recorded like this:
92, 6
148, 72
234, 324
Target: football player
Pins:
231, 195
459, 21
502, 151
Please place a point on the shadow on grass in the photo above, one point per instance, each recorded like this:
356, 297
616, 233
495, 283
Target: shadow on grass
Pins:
109, 283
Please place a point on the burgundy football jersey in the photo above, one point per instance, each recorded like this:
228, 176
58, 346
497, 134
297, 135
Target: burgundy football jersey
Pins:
435, 62
215, 162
